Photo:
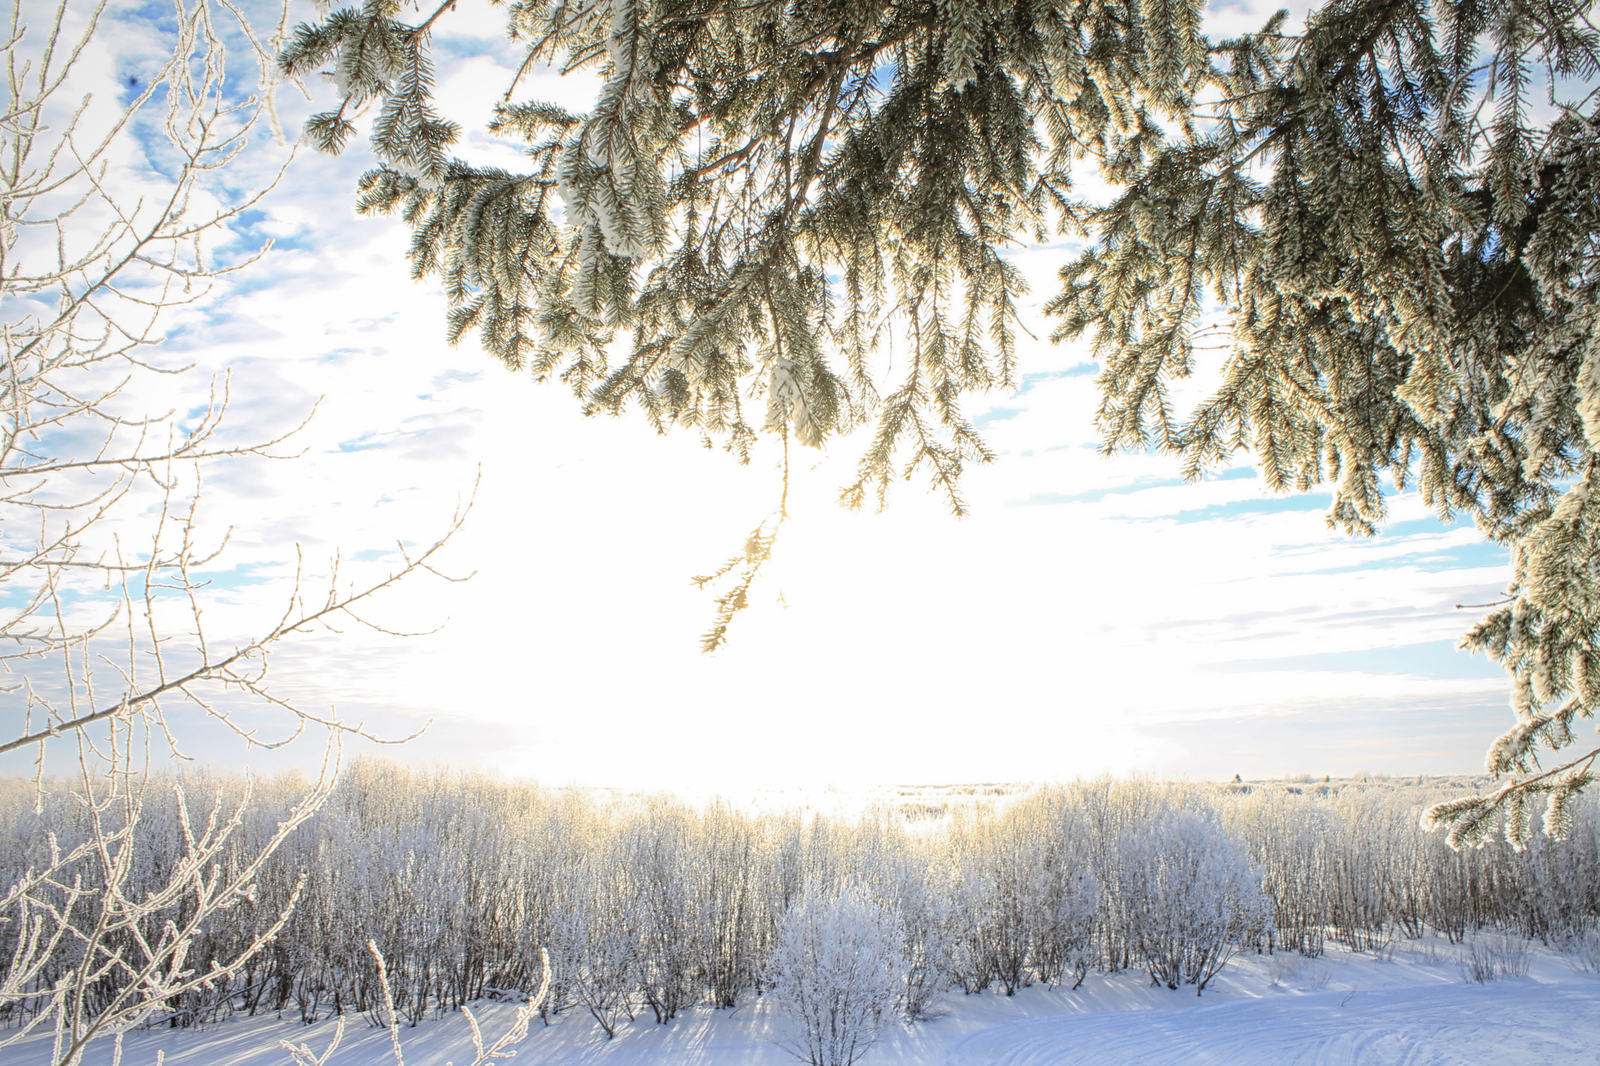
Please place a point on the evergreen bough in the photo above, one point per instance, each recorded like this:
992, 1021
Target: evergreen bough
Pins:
1392, 213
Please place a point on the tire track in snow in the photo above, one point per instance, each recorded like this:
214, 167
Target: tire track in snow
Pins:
1518, 1023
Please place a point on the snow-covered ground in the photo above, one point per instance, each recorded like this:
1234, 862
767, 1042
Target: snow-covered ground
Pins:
1413, 1008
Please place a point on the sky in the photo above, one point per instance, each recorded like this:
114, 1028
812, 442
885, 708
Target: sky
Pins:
1093, 614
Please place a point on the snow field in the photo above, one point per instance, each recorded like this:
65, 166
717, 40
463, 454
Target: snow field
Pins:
1408, 1008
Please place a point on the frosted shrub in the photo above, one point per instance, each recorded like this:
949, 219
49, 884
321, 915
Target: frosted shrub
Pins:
925, 921
1493, 957
599, 951
1064, 950
1289, 838
839, 968
995, 905
1026, 896
1191, 898
1583, 950
662, 885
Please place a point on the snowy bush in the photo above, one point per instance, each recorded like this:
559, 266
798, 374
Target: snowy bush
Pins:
927, 953
595, 946
1064, 950
1583, 950
919, 884
1191, 898
1492, 957
839, 968
1026, 895
662, 881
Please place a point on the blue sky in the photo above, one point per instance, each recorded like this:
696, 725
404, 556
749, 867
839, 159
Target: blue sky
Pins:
1094, 614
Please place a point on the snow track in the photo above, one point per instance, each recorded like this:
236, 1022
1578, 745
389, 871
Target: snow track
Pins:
1509, 1024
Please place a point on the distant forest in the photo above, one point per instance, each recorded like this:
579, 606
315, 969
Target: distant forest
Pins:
651, 905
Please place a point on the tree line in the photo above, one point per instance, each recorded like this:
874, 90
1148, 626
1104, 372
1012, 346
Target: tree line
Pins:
649, 905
